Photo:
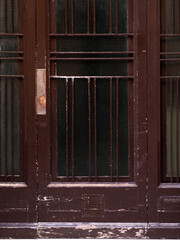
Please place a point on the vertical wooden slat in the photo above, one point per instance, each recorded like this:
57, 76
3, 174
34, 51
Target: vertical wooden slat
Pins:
88, 16
95, 131
111, 128
12, 134
89, 119
67, 146
94, 16
177, 129
117, 130
110, 16
5, 118
72, 16
73, 129
116, 16
171, 130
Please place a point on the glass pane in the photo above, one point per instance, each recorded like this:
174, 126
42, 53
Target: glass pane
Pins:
92, 102
9, 90
170, 75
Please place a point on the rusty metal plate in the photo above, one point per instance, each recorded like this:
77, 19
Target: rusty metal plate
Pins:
93, 205
41, 91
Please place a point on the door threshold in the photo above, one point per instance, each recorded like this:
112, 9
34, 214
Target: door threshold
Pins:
75, 230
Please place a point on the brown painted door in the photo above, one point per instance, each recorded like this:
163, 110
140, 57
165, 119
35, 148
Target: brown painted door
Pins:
164, 161
91, 139
17, 112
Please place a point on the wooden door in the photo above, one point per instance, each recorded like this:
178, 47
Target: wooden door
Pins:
17, 112
163, 88
91, 139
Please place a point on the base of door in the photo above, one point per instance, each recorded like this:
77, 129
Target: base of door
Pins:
90, 230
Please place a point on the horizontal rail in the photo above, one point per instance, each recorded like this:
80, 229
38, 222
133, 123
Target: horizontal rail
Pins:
91, 35
169, 59
169, 77
11, 52
93, 58
87, 77
169, 53
11, 76
63, 53
11, 58
11, 35
169, 35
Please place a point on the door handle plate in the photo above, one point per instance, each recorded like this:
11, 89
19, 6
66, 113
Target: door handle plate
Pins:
41, 91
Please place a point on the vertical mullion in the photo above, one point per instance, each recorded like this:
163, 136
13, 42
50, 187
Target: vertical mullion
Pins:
116, 16
110, 16
12, 131
89, 119
94, 16
72, 16
171, 127
5, 117
66, 17
111, 128
117, 129
73, 129
88, 16
177, 130
67, 147
95, 131
11, 9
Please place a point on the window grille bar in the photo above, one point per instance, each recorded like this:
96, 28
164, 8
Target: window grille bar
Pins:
89, 119
12, 131
116, 16
94, 16
117, 129
87, 16
11, 10
67, 129
110, 16
0, 130
172, 13
95, 130
171, 127
72, 16
177, 130
21, 125
5, 16
5, 114
66, 17
178, 14
73, 129
111, 171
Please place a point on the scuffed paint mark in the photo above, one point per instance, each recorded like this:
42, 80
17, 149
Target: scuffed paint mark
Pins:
139, 233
